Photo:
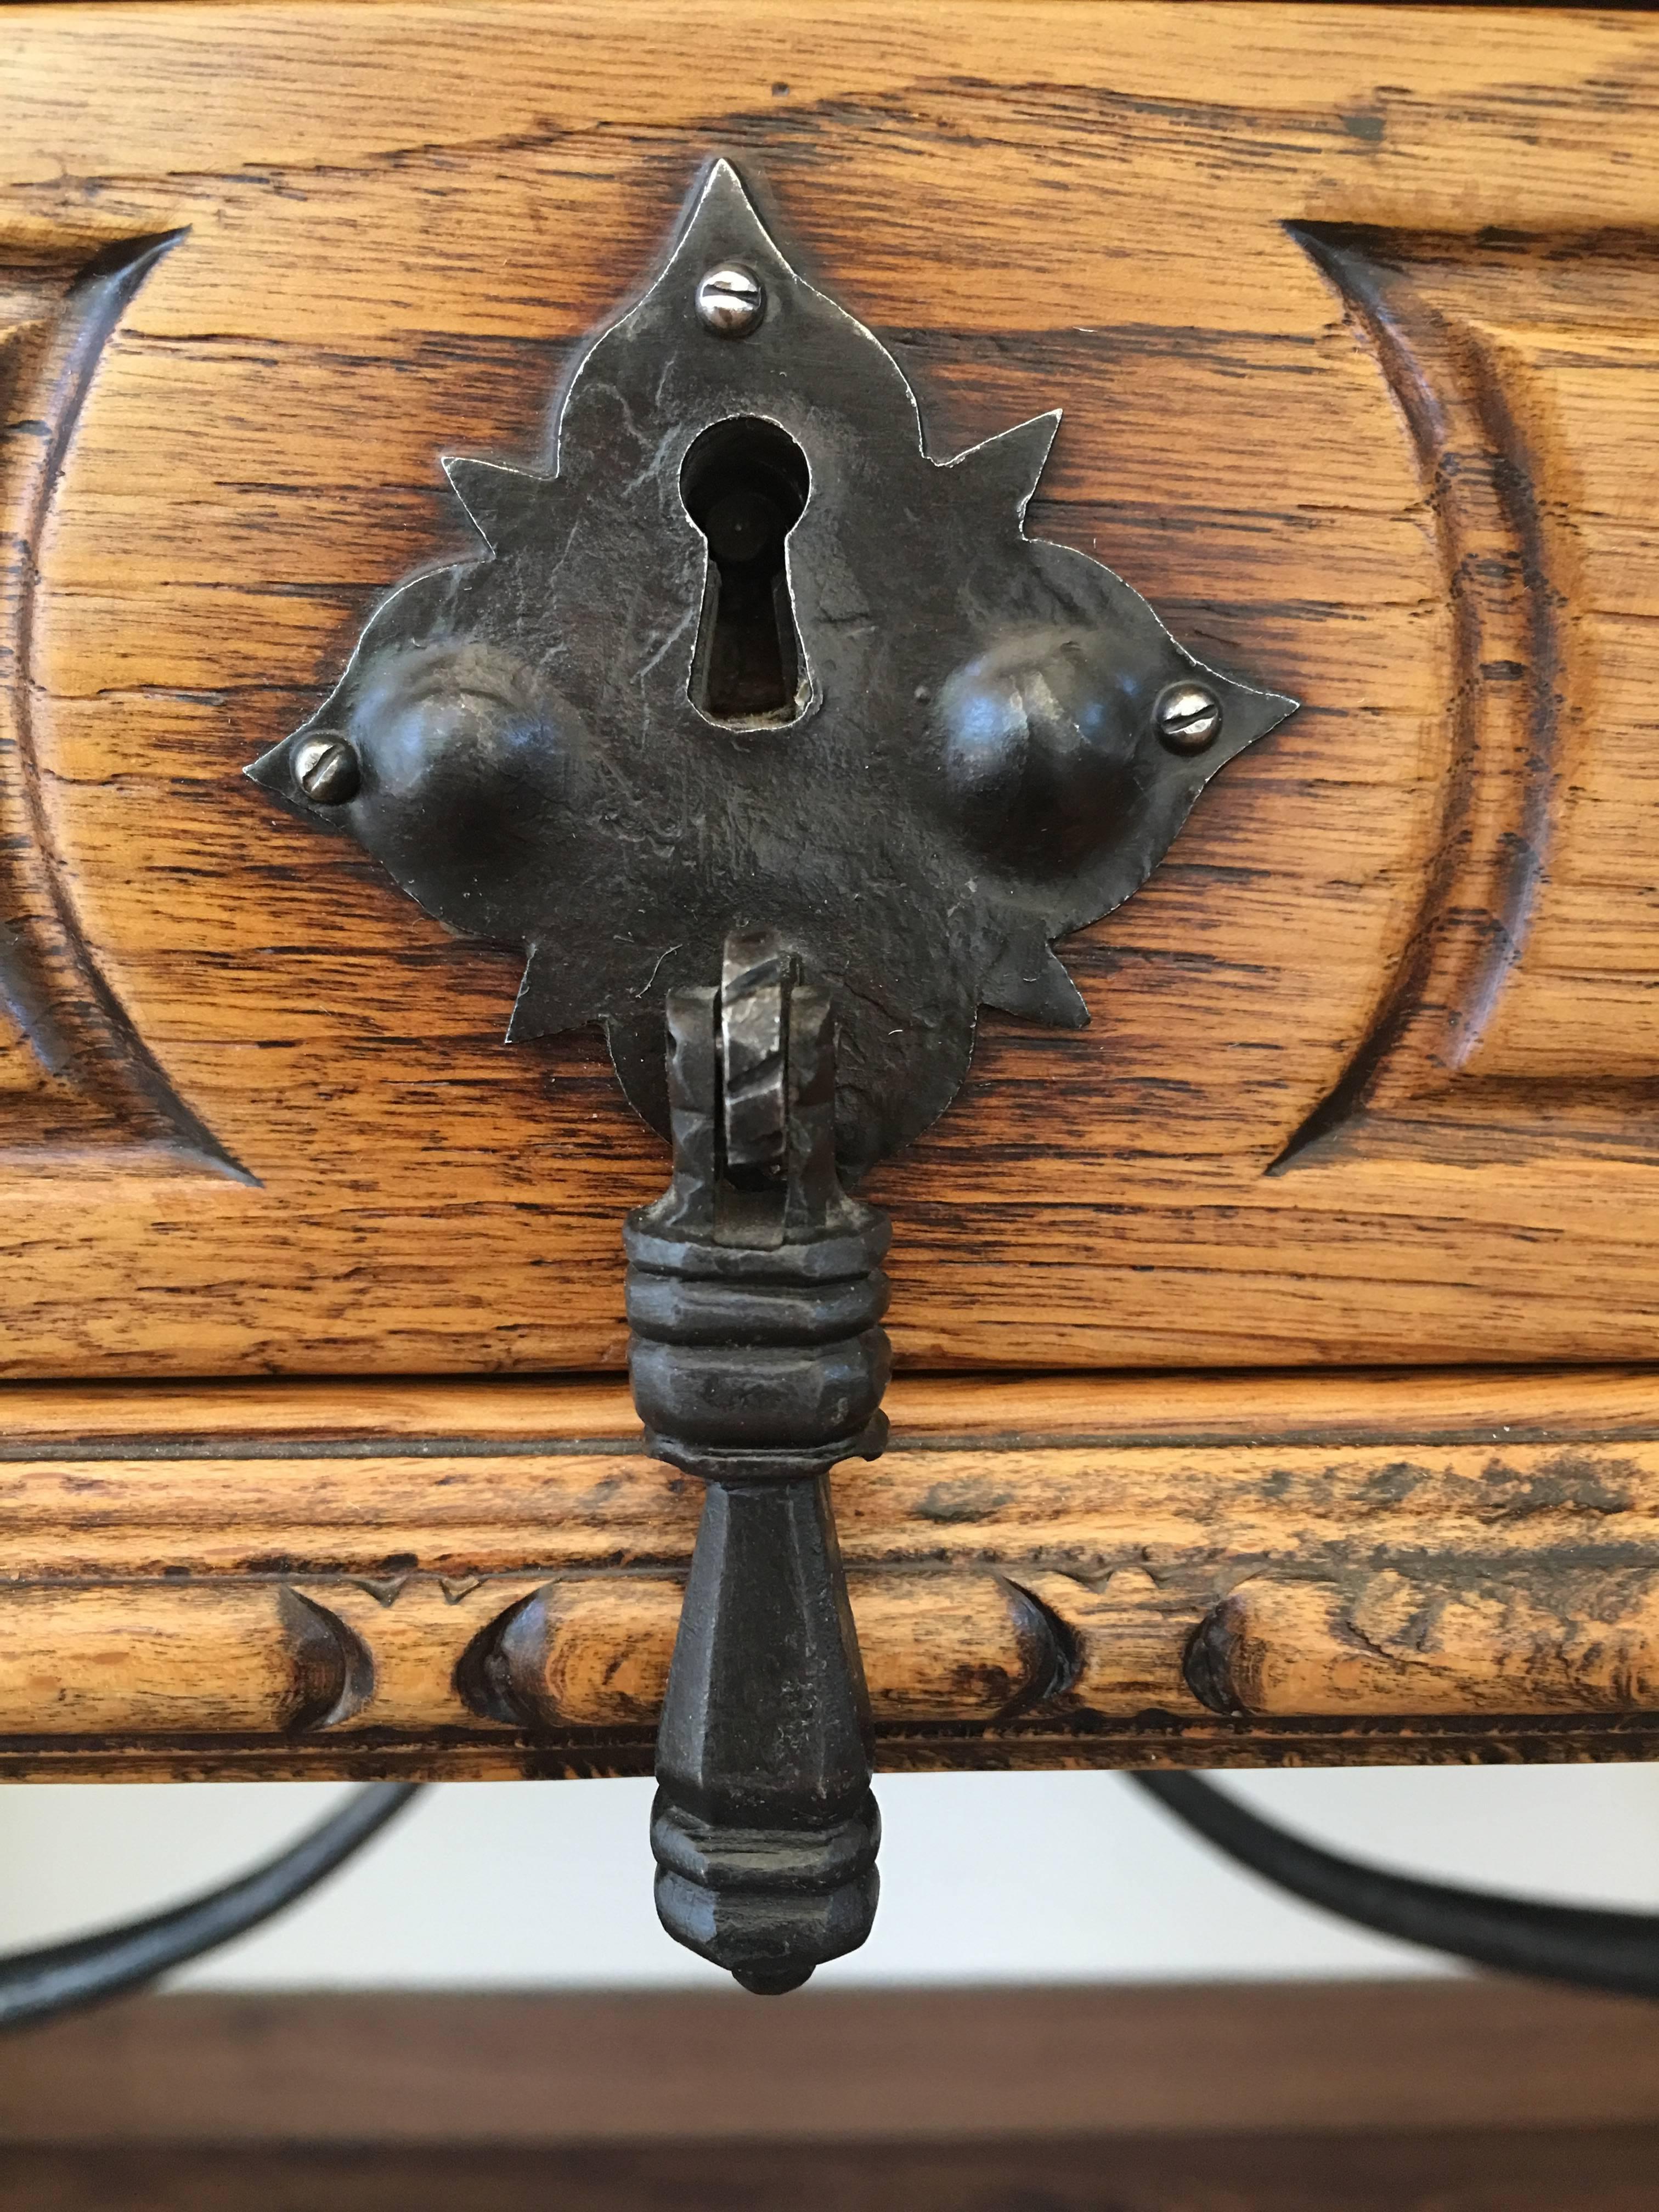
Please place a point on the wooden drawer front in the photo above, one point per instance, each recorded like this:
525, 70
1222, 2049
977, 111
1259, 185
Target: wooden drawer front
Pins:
1352, 313
483, 1579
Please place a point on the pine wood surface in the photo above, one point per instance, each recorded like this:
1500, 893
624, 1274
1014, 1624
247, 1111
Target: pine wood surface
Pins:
473, 1579
1373, 1060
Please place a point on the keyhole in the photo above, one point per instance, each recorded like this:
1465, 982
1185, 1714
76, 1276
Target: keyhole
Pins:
744, 484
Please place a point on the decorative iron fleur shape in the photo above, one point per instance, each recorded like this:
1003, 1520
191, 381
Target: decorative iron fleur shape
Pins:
742, 654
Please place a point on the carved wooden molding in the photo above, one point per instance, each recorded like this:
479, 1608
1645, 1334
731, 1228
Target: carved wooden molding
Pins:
1520, 1006
74, 1073
477, 1579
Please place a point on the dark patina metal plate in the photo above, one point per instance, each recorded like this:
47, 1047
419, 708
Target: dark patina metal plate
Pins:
972, 742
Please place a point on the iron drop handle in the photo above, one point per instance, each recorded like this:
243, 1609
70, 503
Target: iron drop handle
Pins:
755, 1297
739, 645
737, 648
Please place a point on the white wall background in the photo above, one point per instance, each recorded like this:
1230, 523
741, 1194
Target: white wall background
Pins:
1046, 1877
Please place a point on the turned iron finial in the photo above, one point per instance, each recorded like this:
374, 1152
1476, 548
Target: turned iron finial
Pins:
755, 1295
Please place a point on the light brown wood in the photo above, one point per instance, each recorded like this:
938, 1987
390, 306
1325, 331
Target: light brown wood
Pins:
451, 1579
1398, 1643
1372, 1071
243, 1657
1469, 1404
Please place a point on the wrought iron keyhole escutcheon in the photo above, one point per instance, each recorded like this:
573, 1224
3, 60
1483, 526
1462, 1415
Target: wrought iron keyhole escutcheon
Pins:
779, 749
745, 485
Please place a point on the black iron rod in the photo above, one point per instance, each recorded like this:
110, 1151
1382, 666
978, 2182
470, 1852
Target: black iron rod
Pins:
1595, 1947
62, 1978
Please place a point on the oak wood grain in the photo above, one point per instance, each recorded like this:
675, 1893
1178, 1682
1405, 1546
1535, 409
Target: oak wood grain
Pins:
1413, 1642
471, 1578
1350, 313
246, 1657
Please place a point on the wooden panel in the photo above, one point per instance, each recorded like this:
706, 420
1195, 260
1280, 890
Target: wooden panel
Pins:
1350, 313
1523, 1017
424, 2068
469, 1579
1536, 2170
1401, 2097
75, 1078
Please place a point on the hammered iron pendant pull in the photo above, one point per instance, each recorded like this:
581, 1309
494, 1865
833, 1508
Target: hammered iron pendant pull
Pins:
739, 655
755, 1297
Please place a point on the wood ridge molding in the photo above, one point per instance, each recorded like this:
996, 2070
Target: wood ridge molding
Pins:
442, 1580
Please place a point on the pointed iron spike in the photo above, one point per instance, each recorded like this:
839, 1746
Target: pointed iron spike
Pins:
1250, 713
1029, 979
270, 770
1275, 707
724, 172
723, 206
499, 501
314, 770
552, 997
1004, 471
724, 193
